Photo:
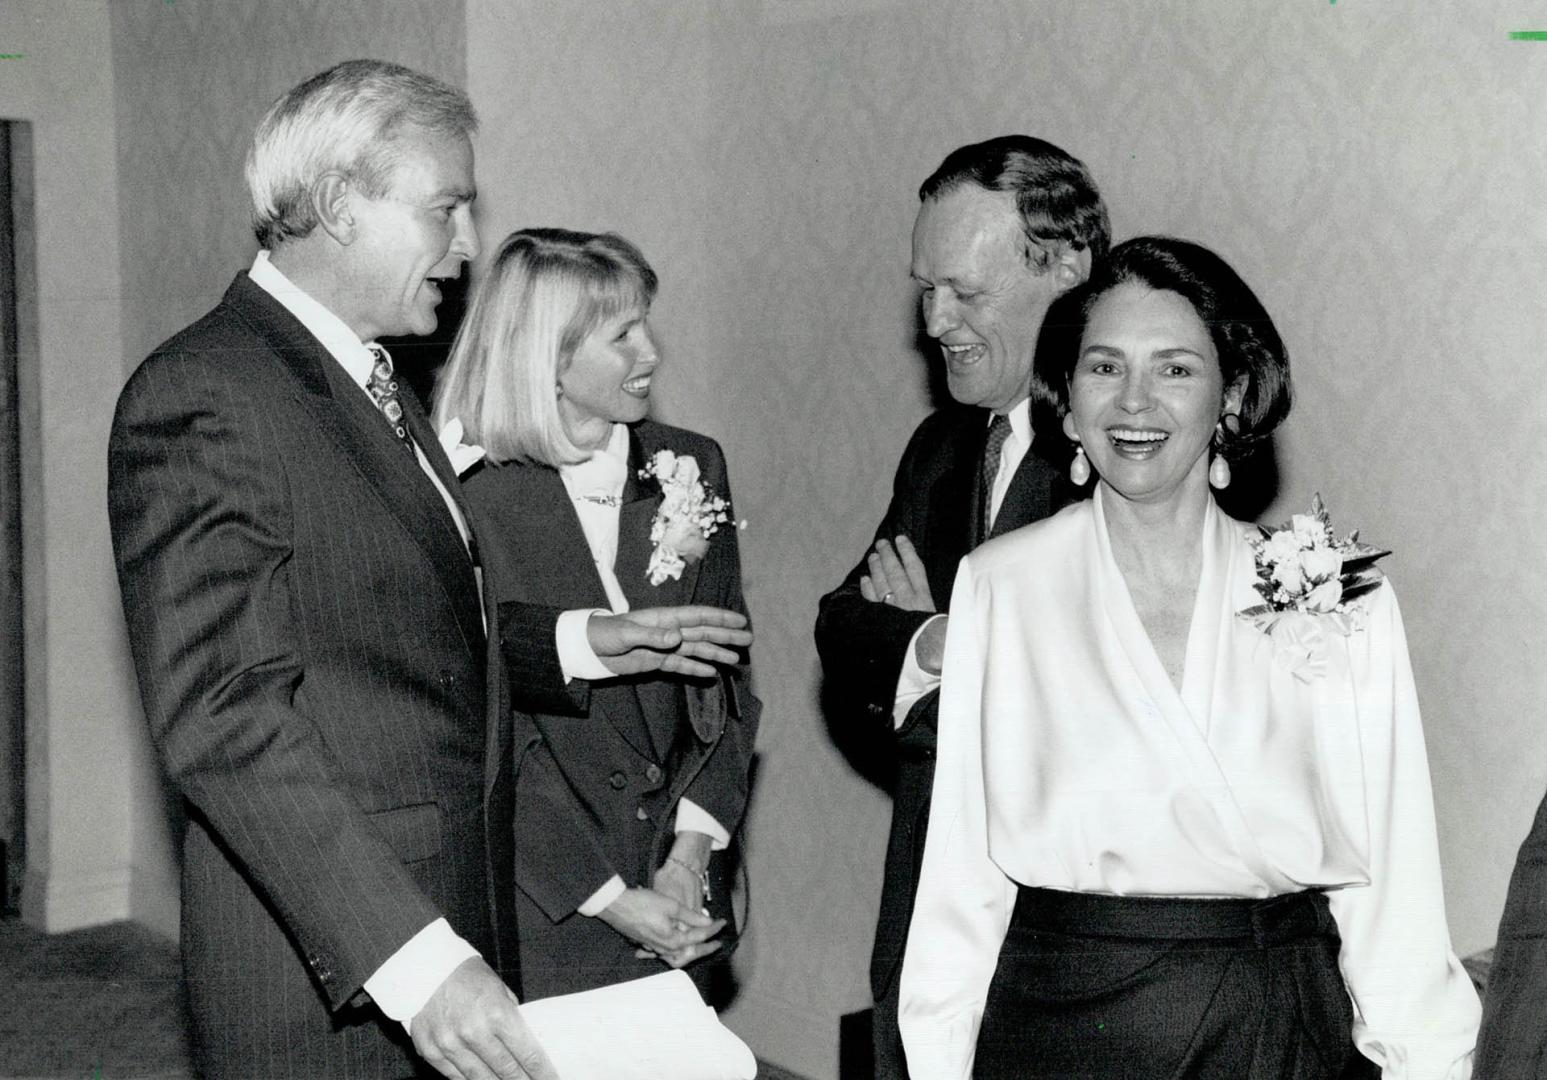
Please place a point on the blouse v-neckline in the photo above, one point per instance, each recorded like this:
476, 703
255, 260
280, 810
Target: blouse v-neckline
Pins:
1189, 703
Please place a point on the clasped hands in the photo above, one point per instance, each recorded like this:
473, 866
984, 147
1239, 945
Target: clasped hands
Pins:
897, 578
668, 920
677, 640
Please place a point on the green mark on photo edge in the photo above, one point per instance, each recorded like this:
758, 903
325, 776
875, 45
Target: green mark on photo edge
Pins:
11, 55
1528, 35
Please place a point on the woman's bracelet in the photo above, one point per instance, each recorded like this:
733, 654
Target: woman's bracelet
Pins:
702, 875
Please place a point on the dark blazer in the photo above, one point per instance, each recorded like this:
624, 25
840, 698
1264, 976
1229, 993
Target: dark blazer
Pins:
1512, 1044
937, 501
305, 625
596, 794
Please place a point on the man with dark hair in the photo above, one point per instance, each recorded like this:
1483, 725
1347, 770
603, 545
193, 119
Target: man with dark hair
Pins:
321, 666
1005, 227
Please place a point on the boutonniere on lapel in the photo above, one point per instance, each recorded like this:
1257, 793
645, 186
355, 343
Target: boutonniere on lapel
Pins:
1310, 581
690, 514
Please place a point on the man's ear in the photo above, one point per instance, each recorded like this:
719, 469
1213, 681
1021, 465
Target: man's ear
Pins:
332, 201
1070, 267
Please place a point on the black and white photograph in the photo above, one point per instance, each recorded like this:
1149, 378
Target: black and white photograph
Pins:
785, 539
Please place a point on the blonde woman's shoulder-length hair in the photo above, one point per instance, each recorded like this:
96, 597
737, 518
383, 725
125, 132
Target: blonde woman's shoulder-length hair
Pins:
544, 292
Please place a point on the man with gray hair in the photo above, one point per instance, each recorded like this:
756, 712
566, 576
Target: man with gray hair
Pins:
326, 677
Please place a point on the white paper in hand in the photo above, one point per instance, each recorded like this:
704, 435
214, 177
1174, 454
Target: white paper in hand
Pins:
656, 1028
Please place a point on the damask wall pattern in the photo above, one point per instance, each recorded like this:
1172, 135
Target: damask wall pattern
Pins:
1372, 169
191, 79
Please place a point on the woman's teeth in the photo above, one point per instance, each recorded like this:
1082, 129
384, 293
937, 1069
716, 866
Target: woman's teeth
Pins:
640, 385
1137, 441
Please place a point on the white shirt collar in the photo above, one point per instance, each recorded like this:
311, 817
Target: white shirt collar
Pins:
605, 470
1020, 422
342, 343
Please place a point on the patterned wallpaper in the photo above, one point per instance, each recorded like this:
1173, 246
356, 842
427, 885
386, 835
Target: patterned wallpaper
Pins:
192, 78
1372, 169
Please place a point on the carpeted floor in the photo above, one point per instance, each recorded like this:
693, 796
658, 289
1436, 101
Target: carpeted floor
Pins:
101, 1004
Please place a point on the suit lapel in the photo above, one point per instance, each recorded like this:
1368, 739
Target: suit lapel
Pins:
546, 546
1029, 496
955, 506
641, 500
343, 410
658, 698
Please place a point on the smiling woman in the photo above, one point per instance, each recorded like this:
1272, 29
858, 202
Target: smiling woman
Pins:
1219, 861
626, 817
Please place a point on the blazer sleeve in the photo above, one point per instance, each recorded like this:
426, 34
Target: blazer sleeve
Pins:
721, 786
862, 643
203, 540
561, 853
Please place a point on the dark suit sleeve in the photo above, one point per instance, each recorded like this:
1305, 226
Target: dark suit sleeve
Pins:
863, 643
720, 788
203, 538
561, 850
529, 647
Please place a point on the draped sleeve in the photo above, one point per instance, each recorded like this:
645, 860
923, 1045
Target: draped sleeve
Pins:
1417, 1011
964, 902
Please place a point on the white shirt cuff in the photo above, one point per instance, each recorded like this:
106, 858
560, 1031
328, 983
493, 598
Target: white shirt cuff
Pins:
694, 818
402, 985
601, 898
576, 657
913, 682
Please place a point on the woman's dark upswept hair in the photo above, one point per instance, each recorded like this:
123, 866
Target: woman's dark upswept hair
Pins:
1249, 347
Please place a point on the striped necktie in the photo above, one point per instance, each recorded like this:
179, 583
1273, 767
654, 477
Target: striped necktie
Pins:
998, 432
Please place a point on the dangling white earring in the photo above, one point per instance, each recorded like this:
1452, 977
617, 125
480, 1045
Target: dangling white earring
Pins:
1219, 473
1219, 469
1079, 468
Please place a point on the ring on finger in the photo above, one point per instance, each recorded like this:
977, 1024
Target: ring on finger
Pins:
887, 599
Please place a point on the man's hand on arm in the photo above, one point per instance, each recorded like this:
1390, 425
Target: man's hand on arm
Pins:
676, 640
471, 1029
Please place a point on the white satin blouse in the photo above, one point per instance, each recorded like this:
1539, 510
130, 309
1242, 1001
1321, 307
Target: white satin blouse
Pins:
1068, 760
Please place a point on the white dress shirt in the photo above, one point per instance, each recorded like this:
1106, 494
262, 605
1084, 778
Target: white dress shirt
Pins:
595, 487
913, 682
1067, 759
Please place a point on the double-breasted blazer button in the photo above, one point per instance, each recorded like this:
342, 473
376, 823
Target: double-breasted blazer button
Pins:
875, 710
447, 679
653, 773
617, 780
642, 814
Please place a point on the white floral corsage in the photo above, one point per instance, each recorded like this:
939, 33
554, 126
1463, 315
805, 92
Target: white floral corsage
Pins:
1311, 582
689, 515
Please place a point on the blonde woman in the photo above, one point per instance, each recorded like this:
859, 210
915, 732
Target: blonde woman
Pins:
622, 812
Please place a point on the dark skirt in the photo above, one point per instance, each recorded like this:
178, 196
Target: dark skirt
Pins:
1092, 986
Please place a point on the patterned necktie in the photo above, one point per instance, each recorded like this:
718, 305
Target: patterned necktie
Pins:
383, 389
998, 432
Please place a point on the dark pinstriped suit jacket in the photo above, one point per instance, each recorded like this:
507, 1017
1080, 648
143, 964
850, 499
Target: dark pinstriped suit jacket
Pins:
937, 501
306, 629
596, 796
